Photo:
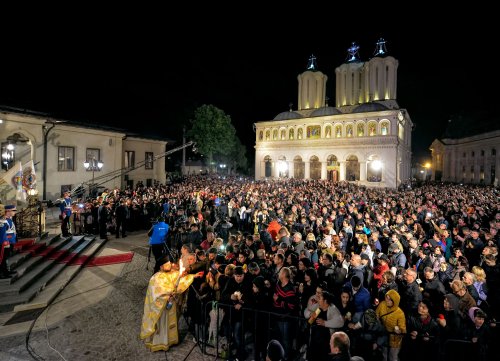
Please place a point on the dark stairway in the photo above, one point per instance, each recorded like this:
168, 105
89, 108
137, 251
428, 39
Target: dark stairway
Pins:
39, 263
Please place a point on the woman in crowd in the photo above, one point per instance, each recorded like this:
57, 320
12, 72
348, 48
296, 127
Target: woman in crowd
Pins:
328, 319
394, 321
422, 340
345, 305
451, 327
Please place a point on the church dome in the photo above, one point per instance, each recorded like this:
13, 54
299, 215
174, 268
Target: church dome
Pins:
287, 115
369, 107
323, 111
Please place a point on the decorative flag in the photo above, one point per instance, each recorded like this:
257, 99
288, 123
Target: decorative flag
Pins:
13, 178
29, 176
20, 194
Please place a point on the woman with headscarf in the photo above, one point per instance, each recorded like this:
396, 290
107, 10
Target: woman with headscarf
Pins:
478, 332
394, 321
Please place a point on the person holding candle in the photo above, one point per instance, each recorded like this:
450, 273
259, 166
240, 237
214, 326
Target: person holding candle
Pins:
161, 309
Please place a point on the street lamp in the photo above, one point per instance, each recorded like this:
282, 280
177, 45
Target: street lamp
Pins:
427, 166
92, 165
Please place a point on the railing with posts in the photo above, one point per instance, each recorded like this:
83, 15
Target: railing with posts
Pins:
30, 222
262, 326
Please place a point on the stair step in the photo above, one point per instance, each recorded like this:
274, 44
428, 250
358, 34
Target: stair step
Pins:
39, 244
31, 270
48, 275
35, 288
49, 293
31, 262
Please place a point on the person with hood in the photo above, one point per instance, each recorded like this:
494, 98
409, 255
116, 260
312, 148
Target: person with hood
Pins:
394, 321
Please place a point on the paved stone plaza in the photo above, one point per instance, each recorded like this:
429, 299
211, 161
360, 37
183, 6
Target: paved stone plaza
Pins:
97, 316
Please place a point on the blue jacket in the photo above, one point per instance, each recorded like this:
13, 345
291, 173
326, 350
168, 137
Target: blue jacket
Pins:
10, 231
65, 206
160, 231
3, 231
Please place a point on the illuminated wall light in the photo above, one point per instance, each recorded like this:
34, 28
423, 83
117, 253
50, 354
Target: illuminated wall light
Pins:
282, 166
376, 165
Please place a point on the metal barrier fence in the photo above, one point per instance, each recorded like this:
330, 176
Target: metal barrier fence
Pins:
262, 326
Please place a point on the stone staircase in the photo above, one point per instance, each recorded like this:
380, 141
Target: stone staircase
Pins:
39, 262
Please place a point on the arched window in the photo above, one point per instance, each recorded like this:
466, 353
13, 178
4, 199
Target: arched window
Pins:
298, 167
268, 134
374, 169
384, 128
372, 129
328, 131
300, 133
275, 134
283, 134
315, 168
282, 167
361, 129
261, 135
348, 130
291, 134
268, 163
352, 168
338, 131
332, 168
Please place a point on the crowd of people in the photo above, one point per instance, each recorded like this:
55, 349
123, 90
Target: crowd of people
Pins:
409, 273
405, 273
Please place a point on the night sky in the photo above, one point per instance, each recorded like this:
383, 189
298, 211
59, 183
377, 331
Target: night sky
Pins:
156, 72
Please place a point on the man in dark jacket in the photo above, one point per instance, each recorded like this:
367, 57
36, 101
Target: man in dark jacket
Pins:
410, 292
102, 216
122, 215
237, 292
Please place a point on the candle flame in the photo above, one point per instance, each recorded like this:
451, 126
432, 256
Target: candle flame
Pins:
181, 267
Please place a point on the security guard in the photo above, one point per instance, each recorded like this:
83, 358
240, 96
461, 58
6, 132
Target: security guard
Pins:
7, 238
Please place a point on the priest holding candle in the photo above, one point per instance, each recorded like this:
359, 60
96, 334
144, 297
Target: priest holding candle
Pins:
161, 306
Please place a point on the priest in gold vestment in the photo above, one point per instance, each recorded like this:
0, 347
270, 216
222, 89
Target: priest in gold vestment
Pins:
159, 328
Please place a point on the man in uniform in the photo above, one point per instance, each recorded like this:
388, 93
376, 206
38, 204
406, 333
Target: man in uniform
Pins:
8, 238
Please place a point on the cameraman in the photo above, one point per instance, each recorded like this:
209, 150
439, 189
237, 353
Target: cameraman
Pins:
157, 242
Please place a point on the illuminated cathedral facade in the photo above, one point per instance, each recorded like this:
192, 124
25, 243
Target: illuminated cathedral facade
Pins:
365, 138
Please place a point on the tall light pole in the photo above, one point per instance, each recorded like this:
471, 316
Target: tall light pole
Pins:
46, 130
92, 165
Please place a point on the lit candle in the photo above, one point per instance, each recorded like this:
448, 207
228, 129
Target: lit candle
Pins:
181, 271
